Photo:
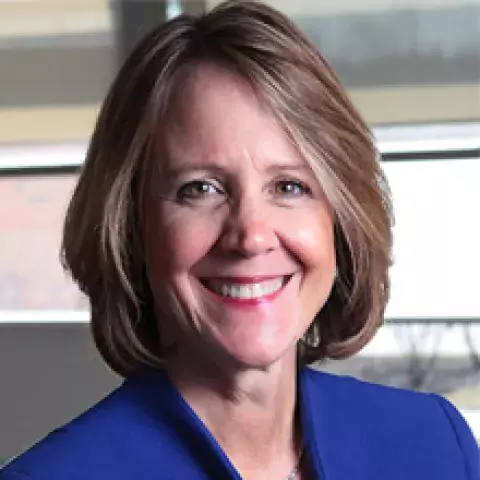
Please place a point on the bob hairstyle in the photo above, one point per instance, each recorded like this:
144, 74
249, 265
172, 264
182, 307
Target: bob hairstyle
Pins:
102, 244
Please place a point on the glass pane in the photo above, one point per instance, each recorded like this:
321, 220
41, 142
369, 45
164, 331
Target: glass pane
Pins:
57, 61
436, 238
395, 56
31, 277
431, 340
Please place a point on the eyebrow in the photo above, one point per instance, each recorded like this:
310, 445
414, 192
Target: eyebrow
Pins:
177, 171
292, 168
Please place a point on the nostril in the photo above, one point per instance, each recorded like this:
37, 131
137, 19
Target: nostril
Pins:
250, 240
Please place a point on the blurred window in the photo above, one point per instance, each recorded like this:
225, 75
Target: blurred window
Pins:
394, 56
31, 217
403, 61
57, 61
436, 238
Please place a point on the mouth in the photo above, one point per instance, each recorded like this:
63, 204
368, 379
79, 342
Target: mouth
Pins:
246, 289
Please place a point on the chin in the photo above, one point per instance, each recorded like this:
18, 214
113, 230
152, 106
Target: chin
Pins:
257, 356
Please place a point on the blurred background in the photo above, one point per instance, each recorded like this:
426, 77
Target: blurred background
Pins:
411, 66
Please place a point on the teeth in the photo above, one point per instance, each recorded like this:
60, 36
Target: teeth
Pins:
248, 291
257, 290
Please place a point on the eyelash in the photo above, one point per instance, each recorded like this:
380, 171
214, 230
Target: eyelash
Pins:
304, 189
185, 193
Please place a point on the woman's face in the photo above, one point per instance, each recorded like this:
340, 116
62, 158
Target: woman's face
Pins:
236, 225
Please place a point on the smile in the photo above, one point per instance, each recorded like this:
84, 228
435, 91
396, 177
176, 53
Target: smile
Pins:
243, 290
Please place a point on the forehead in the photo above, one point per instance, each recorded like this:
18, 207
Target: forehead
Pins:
217, 116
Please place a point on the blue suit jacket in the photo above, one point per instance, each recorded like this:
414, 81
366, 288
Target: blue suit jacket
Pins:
352, 430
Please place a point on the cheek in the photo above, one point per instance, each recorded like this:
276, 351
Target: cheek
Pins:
311, 238
176, 241
312, 241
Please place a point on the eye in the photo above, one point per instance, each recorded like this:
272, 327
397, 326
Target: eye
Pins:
291, 188
198, 189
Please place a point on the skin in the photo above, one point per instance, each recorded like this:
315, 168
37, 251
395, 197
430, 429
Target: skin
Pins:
233, 200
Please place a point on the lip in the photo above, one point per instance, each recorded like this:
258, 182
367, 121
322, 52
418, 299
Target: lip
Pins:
250, 302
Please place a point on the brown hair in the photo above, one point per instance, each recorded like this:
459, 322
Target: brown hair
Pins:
102, 245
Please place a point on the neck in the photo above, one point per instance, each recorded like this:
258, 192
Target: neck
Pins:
250, 411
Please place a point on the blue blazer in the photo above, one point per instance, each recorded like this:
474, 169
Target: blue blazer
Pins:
352, 430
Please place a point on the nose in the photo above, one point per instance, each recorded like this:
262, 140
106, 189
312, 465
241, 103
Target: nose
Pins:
248, 230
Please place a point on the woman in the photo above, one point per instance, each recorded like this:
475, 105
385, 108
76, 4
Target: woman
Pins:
230, 226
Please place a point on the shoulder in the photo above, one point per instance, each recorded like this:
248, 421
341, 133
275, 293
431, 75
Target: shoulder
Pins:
395, 421
93, 445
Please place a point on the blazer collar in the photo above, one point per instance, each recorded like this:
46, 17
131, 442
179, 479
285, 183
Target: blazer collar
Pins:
326, 433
